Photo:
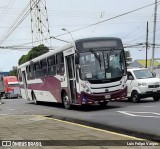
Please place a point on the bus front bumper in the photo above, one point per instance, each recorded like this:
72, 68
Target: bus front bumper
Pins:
103, 97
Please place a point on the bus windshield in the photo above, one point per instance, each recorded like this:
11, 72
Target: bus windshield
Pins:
102, 64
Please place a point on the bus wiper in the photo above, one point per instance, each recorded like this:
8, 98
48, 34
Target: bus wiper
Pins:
96, 56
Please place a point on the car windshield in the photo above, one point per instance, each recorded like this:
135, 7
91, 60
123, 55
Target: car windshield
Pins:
143, 74
101, 64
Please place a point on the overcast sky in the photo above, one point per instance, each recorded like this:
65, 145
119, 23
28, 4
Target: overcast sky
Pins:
75, 14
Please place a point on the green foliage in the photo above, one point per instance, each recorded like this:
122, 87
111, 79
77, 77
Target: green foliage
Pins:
33, 53
13, 72
128, 57
22, 60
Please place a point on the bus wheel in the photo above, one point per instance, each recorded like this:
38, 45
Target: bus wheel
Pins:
156, 98
34, 98
66, 101
103, 104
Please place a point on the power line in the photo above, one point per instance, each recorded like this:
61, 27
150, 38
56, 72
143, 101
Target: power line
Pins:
123, 14
140, 37
9, 6
14, 25
109, 19
18, 21
144, 35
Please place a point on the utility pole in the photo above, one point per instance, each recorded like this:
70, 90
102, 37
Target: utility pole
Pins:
154, 35
146, 44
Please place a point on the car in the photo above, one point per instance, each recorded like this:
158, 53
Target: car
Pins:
142, 83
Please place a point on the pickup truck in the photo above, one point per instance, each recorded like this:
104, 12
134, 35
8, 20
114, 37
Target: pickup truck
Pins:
142, 83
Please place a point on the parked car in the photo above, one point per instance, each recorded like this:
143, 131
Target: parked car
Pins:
142, 83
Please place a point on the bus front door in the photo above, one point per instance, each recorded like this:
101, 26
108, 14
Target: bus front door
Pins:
71, 77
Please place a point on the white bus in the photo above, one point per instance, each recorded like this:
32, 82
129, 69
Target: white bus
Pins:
87, 71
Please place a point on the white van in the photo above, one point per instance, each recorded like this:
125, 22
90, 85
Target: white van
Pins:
142, 83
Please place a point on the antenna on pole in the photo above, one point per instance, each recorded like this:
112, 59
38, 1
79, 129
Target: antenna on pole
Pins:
39, 23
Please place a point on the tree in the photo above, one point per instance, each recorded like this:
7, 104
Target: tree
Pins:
128, 58
33, 53
13, 72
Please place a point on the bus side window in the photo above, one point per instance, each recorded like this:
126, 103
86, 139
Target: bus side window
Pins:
44, 67
37, 70
27, 72
19, 75
31, 72
51, 65
60, 63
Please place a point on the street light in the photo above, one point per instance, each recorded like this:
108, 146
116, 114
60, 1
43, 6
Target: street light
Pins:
58, 39
64, 29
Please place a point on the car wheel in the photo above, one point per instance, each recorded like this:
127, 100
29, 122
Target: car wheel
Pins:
66, 101
135, 97
9, 96
156, 98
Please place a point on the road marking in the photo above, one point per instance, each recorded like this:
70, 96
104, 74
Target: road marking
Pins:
98, 129
149, 106
12, 109
139, 114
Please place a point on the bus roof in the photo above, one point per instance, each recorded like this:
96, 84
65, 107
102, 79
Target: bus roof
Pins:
67, 46
97, 38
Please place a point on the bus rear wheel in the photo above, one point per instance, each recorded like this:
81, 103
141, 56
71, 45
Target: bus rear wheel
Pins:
66, 101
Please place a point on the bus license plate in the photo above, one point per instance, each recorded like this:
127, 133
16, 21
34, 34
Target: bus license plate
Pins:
107, 96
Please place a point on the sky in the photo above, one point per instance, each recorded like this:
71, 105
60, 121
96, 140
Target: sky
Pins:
75, 14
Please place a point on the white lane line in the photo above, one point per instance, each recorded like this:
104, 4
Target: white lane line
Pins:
139, 114
149, 106
12, 109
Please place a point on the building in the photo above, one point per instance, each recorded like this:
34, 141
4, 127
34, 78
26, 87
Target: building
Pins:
142, 63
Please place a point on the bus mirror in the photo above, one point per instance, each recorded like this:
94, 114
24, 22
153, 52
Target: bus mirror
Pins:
77, 58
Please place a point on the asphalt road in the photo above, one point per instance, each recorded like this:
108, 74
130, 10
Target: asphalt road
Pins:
140, 119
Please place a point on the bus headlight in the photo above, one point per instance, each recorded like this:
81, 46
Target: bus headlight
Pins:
85, 88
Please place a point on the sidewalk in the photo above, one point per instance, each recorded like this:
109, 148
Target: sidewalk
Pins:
32, 127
